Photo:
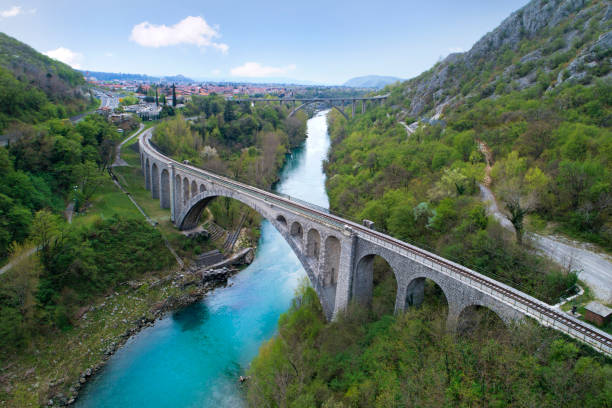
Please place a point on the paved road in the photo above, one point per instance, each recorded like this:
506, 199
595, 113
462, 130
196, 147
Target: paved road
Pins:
593, 268
118, 160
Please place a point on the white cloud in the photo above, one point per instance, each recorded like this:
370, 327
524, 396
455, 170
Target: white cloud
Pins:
191, 30
12, 12
108, 54
66, 56
216, 72
15, 11
455, 49
256, 70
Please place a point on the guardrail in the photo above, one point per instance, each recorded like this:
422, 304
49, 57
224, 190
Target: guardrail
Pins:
526, 304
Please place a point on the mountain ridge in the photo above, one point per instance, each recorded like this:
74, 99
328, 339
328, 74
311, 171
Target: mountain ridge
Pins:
511, 55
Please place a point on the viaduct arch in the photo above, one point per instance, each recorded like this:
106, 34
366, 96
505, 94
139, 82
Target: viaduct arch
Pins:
337, 254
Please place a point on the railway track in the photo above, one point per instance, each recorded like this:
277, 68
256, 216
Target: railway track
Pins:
528, 305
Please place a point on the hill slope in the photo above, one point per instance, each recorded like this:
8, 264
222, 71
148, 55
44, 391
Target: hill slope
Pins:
546, 43
34, 87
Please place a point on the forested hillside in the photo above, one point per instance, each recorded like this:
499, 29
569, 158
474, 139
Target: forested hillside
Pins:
34, 87
537, 91
527, 110
50, 164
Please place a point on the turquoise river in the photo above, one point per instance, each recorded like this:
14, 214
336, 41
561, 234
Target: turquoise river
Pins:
193, 357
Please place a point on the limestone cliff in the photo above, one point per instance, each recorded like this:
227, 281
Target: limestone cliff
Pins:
544, 43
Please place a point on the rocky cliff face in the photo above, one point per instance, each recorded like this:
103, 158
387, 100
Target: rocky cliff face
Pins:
546, 42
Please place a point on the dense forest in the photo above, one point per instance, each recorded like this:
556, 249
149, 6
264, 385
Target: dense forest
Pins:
53, 163
50, 163
527, 112
35, 88
368, 359
536, 91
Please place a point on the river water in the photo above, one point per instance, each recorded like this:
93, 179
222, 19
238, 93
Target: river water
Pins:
193, 357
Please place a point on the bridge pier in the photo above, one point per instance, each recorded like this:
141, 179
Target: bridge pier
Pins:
172, 191
363, 105
348, 245
353, 109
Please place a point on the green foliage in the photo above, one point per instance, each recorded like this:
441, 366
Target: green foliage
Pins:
44, 165
128, 100
410, 360
35, 88
234, 139
80, 264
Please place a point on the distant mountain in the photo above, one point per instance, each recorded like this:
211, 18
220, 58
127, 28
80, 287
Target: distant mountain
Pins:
371, 81
34, 87
120, 76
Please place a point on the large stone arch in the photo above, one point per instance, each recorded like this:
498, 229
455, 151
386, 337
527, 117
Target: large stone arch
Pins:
147, 175
190, 215
331, 262
313, 244
154, 181
297, 233
165, 189
282, 221
361, 285
507, 315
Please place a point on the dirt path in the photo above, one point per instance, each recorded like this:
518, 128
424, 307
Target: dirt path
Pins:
593, 268
14, 262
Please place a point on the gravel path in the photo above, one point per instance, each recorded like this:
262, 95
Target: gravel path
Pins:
409, 128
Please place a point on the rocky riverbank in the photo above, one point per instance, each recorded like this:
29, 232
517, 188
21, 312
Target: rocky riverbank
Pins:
193, 284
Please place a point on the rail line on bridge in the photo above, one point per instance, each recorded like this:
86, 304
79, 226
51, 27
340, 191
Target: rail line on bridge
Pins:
526, 304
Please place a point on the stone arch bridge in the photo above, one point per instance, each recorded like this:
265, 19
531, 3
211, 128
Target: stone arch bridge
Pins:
333, 103
338, 254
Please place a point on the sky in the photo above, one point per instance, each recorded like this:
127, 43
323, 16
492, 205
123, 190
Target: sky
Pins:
325, 42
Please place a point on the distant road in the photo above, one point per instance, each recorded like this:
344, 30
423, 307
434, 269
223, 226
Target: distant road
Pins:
118, 160
592, 267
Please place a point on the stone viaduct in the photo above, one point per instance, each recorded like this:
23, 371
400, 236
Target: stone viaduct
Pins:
331, 102
338, 254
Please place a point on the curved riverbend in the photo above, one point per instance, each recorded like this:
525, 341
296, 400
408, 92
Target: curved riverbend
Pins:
193, 357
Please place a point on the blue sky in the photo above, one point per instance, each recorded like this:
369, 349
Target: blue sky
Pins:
320, 41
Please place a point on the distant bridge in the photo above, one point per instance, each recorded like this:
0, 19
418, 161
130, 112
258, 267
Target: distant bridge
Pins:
338, 254
331, 102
